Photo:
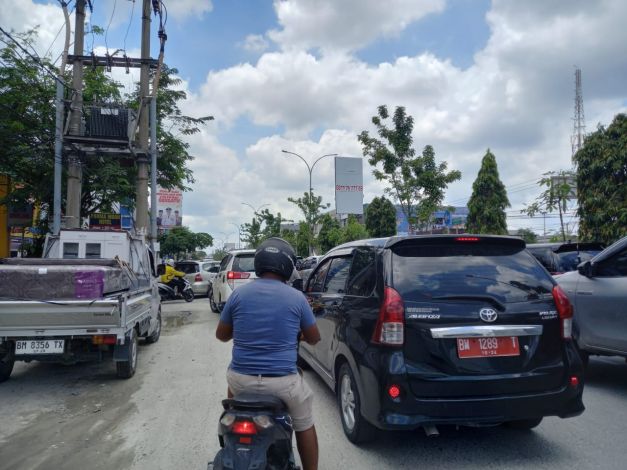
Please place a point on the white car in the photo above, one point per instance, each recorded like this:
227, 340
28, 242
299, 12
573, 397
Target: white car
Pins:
236, 269
197, 273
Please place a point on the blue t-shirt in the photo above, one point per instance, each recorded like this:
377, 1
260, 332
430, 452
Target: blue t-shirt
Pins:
267, 316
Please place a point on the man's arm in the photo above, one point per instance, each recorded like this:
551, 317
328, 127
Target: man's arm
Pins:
224, 331
311, 334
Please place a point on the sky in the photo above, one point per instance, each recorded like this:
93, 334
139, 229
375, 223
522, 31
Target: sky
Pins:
308, 75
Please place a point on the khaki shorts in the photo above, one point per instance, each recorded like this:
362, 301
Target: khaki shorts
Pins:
292, 389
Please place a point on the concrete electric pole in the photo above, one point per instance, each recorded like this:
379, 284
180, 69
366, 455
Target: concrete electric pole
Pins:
141, 190
75, 172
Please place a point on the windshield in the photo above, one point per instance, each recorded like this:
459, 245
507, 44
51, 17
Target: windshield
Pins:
244, 263
504, 273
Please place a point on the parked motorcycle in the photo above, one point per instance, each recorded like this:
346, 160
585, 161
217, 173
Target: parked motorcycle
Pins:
255, 432
168, 293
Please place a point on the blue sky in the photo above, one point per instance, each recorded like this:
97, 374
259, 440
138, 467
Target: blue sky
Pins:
307, 75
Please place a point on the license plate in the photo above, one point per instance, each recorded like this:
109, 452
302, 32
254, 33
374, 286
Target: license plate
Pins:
487, 347
37, 346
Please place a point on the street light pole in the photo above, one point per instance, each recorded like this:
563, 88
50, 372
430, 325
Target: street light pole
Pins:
310, 169
253, 208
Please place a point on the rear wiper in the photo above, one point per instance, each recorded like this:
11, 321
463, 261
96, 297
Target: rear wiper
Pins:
487, 298
518, 285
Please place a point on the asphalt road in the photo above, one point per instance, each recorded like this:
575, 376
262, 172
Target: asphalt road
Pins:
81, 416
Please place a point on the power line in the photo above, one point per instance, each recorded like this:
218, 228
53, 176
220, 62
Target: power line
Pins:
129, 25
115, 3
36, 59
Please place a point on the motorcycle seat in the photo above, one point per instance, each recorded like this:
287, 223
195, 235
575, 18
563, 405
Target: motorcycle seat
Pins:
254, 401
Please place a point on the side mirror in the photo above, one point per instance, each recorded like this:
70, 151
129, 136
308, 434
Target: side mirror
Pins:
586, 269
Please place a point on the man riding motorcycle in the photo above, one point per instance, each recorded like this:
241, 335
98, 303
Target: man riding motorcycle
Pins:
172, 277
266, 319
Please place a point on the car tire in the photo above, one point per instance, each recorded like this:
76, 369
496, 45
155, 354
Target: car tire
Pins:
212, 302
7, 361
126, 369
524, 424
154, 337
356, 428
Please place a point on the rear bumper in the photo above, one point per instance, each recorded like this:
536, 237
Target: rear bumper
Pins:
564, 403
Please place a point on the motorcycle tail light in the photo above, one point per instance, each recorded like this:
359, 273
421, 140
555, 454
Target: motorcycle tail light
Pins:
244, 428
263, 421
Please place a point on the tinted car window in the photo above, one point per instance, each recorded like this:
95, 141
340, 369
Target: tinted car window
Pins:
335, 282
547, 257
614, 267
244, 263
225, 261
187, 268
570, 260
362, 277
316, 282
505, 273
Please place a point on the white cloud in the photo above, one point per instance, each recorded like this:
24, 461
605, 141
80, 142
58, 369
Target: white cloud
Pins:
346, 24
183, 9
255, 43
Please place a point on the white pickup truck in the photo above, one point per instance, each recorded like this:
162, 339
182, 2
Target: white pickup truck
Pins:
91, 296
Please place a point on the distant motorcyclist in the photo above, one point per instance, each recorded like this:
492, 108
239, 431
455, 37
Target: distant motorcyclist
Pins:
266, 319
172, 277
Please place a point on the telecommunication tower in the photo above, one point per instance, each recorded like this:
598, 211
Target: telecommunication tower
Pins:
579, 122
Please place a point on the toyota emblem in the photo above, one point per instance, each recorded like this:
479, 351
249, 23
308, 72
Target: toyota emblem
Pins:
488, 315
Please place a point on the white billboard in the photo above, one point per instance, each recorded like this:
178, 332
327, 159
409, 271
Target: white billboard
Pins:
349, 186
169, 208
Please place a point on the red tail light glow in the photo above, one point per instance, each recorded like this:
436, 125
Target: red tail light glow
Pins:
574, 381
237, 275
467, 239
390, 328
104, 339
564, 310
198, 278
394, 391
244, 428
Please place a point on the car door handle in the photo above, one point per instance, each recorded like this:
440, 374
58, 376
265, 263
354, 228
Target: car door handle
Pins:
585, 292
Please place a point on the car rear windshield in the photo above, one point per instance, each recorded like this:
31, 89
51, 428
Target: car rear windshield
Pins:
505, 273
244, 263
187, 268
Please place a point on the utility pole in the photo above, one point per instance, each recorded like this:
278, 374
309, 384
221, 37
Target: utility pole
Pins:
141, 190
75, 171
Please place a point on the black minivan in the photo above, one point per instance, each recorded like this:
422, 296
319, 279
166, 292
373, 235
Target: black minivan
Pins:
442, 329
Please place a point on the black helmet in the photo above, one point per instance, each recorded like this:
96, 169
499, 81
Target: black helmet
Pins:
275, 255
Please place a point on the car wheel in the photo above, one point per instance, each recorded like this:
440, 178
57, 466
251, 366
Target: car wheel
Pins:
126, 369
154, 337
7, 361
212, 302
356, 428
524, 424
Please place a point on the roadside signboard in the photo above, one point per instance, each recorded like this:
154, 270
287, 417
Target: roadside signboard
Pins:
349, 186
169, 208
105, 221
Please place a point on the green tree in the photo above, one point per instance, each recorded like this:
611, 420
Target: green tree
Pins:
311, 206
179, 241
264, 225
330, 234
528, 235
353, 230
487, 204
559, 190
602, 183
303, 239
251, 232
416, 182
381, 217
219, 254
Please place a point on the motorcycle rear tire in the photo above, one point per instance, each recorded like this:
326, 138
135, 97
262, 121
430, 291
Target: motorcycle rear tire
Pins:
188, 295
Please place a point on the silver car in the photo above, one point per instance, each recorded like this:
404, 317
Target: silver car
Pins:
598, 292
198, 274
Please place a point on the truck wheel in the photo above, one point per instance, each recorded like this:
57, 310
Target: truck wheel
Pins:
7, 360
126, 369
154, 337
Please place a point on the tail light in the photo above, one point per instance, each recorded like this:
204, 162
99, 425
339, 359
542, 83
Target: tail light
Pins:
198, 278
104, 339
564, 310
390, 328
244, 428
394, 391
232, 276
467, 239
